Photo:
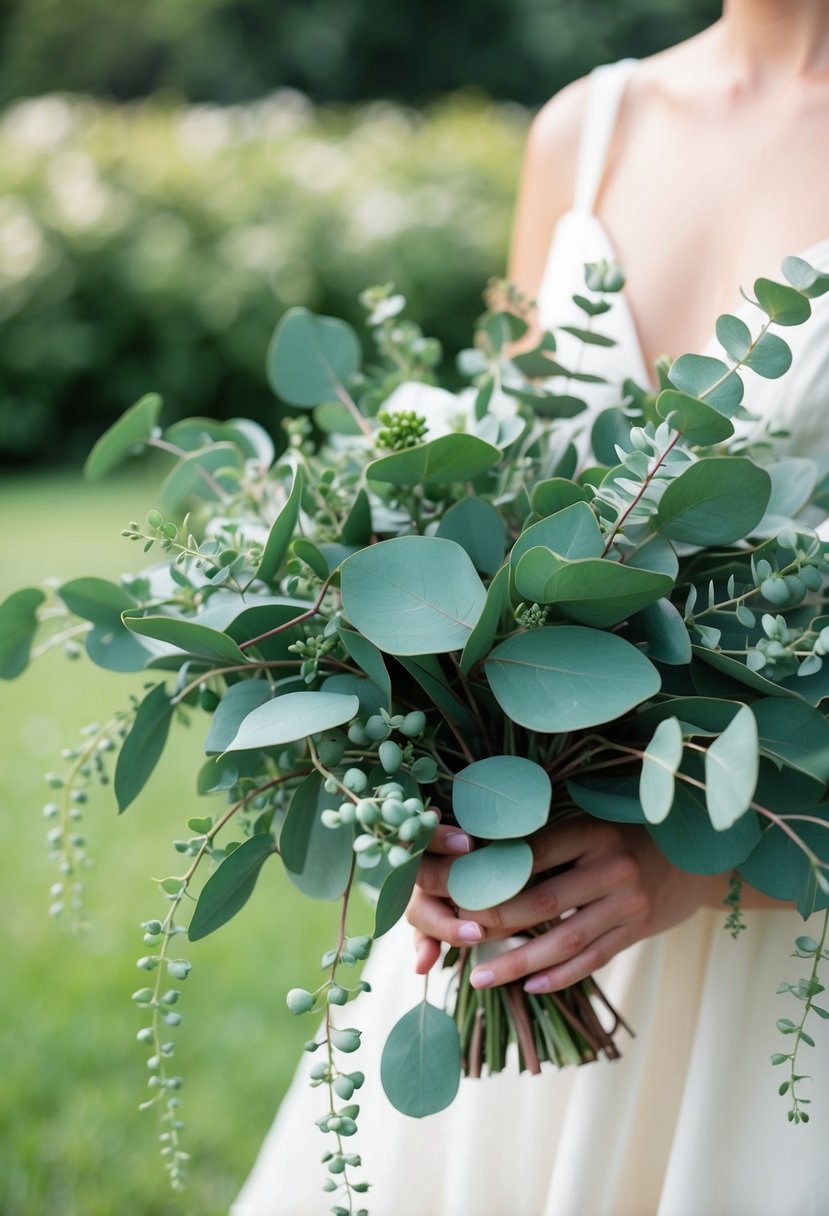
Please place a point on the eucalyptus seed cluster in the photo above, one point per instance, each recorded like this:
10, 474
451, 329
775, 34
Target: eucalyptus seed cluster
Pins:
402, 429
342, 1083
531, 616
312, 650
65, 838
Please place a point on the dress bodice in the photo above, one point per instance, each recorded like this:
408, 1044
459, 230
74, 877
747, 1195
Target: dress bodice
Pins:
798, 402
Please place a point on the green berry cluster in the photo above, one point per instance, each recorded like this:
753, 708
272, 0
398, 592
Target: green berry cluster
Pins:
312, 650
531, 616
403, 429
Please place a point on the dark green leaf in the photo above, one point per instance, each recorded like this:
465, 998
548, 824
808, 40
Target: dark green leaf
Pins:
698, 421
784, 305
142, 748
666, 635
608, 798
479, 642
308, 553
358, 527
18, 626
780, 868
230, 887
124, 438
555, 494
421, 1064
318, 859
310, 358
394, 896
794, 733
239, 701
593, 591
426, 669
367, 657
588, 336
611, 429
189, 636
688, 838
281, 533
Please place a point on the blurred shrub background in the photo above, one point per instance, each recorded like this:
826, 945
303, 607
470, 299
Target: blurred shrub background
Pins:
154, 245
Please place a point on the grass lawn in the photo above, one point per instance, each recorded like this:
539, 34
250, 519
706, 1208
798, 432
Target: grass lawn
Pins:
72, 1142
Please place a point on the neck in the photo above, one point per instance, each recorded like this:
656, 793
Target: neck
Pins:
773, 41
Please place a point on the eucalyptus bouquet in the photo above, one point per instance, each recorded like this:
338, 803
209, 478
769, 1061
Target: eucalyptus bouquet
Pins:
473, 605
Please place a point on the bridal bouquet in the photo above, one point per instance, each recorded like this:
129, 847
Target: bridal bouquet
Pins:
493, 606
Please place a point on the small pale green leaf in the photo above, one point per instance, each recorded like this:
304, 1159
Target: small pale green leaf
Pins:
420, 1067
413, 595
501, 797
18, 626
805, 278
661, 760
490, 875
310, 358
230, 887
294, 715
124, 438
731, 770
142, 748
734, 336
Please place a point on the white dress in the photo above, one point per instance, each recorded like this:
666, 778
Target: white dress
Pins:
688, 1122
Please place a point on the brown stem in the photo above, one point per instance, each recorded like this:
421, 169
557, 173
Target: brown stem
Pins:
297, 620
473, 1063
523, 1028
558, 999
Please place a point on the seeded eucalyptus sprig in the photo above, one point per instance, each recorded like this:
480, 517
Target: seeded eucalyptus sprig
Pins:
491, 606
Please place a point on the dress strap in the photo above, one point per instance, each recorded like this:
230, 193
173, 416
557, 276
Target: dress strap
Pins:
607, 86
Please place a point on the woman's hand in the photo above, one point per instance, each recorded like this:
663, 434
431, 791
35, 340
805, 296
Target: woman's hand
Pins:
617, 889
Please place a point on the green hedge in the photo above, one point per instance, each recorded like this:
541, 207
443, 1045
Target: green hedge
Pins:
151, 247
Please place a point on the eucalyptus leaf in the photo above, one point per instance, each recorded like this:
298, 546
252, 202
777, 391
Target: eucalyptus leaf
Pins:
567, 677
310, 358
662, 758
369, 659
124, 438
188, 635
697, 421
783, 305
555, 494
201, 476
235, 705
394, 896
229, 888
731, 770
593, 591
779, 867
490, 875
477, 527
429, 674
479, 642
18, 626
318, 859
715, 501
456, 457
281, 533
795, 734
501, 797
809, 281
771, 357
142, 748
420, 1068
707, 378
571, 533
666, 635
608, 798
413, 595
734, 336
292, 716
97, 600
689, 840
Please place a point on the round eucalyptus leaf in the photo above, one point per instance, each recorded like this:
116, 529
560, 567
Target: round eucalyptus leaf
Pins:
565, 677
555, 494
571, 533
771, 357
710, 379
696, 420
795, 734
805, 278
501, 797
783, 305
688, 838
97, 600
714, 501
240, 700
610, 430
731, 770
778, 866
594, 591
490, 875
294, 715
734, 336
662, 758
413, 595
124, 438
116, 649
420, 1068
18, 626
608, 798
310, 358
477, 527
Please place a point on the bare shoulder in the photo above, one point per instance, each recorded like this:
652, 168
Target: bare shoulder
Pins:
555, 131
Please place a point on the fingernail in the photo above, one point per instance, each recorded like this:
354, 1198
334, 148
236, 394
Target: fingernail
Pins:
538, 983
481, 978
470, 931
458, 842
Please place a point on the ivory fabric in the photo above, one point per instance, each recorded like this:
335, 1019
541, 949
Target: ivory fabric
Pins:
688, 1122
